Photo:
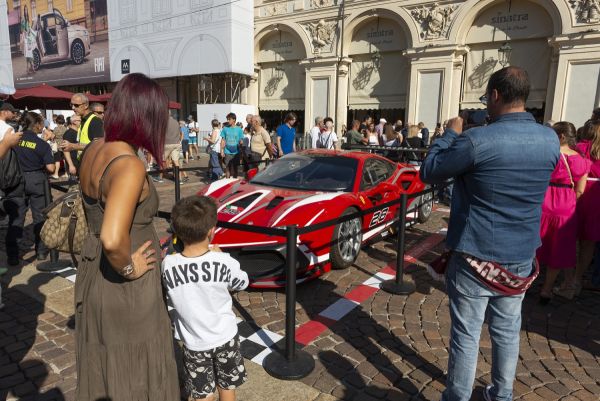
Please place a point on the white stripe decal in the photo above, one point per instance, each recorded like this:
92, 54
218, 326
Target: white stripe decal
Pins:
219, 184
376, 230
246, 210
247, 244
314, 218
308, 201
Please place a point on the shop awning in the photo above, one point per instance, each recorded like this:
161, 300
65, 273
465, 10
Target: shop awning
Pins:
14, 17
41, 97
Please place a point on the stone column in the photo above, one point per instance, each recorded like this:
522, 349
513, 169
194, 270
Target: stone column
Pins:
341, 117
252, 92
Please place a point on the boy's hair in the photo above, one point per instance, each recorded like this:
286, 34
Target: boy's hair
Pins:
215, 123
193, 217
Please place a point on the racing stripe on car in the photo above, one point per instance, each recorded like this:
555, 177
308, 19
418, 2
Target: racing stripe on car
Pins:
309, 331
219, 184
308, 201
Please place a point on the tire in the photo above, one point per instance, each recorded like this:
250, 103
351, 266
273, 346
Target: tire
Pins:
424, 211
77, 52
37, 60
346, 242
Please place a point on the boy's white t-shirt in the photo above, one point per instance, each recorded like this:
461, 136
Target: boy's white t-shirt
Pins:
199, 291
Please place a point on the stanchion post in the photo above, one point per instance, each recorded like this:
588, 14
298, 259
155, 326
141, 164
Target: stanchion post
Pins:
54, 263
177, 183
397, 285
294, 364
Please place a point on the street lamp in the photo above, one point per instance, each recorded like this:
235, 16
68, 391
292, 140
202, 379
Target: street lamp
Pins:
504, 54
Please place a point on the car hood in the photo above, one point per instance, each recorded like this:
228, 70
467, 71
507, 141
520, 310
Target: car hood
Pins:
259, 205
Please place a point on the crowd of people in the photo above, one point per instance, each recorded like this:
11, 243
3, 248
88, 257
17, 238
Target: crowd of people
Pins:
521, 189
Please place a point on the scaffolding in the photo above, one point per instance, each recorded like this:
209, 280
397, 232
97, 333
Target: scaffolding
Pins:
222, 88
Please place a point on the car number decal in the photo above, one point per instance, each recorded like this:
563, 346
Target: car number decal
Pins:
379, 217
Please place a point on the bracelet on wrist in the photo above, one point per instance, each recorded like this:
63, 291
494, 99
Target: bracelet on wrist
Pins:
127, 270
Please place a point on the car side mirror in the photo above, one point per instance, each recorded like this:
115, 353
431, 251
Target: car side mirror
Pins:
251, 173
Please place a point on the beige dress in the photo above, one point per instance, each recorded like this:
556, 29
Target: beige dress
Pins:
124, 340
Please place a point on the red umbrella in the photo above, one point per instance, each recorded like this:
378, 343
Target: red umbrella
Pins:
105, 97
42, 96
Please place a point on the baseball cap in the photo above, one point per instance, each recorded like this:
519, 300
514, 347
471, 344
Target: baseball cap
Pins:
8, 107
382, 120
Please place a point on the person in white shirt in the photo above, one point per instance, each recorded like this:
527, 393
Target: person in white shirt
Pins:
328, 138
198, 281
315, 131
194, 130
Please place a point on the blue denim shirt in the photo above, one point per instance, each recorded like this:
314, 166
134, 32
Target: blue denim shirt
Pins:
501, 174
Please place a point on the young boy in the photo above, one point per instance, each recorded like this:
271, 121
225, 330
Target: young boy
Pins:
198, 281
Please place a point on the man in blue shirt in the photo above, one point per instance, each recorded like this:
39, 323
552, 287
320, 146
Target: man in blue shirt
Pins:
185, 140
501, 174
286, 133
232, 138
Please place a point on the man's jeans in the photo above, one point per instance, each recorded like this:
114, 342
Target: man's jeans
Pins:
469, 300
215, 169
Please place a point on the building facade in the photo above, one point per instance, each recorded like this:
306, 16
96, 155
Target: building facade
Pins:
420, 60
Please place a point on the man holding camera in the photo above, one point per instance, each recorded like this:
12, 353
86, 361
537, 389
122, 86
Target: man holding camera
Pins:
501, 174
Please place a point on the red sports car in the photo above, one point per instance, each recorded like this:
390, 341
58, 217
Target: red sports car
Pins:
307, 188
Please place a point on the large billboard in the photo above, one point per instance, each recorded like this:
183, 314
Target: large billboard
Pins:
59, 42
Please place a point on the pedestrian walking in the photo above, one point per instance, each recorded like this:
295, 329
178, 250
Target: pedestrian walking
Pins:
286, 135
35, 158
124, 346
501, 174
424, 133
172, 150
559, 221
232, 140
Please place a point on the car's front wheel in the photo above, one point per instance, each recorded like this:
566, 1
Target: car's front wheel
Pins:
346, 241
37, 60
77, 52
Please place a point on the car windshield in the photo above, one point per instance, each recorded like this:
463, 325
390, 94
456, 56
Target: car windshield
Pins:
310, 172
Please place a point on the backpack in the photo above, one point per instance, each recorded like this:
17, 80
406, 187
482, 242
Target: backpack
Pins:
10, 171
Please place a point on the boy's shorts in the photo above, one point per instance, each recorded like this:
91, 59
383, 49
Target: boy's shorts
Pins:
193, 140
222, 366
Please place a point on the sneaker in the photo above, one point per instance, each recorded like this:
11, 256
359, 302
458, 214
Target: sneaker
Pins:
185, 179
486, 393
157, 179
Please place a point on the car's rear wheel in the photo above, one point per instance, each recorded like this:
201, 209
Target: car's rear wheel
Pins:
77, 52
425, 208
346, 241
37, 60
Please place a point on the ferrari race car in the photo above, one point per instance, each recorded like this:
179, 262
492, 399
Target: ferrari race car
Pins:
306, 188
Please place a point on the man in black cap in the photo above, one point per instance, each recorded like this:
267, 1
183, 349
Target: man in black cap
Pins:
8, 137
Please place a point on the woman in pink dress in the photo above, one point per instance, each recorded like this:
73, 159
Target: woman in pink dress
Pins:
559, 222
588, 209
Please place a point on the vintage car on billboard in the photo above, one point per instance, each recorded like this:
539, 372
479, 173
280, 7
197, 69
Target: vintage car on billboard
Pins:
304, 189
57, 40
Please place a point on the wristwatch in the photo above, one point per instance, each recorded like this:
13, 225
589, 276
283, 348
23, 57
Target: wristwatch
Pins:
127, 270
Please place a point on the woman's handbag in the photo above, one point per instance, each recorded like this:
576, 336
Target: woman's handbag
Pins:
66, 225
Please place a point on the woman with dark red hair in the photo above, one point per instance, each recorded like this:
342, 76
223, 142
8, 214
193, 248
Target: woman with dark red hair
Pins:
124, 342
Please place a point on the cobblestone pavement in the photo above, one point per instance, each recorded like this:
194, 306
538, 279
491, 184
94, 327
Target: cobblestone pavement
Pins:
388, 348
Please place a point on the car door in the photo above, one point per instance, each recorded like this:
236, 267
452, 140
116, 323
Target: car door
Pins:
376, 190
62, 37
